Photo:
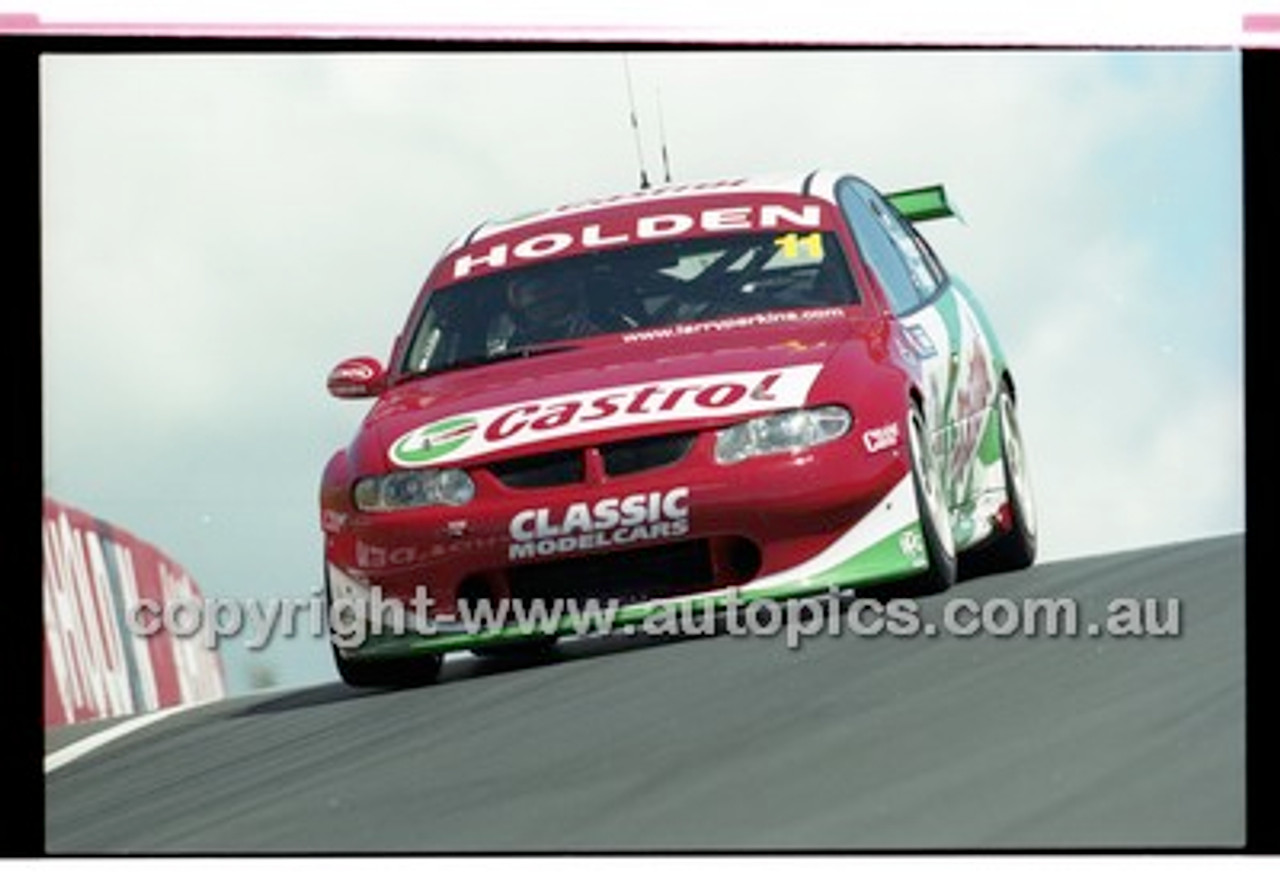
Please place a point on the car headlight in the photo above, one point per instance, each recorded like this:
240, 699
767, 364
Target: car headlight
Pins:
413, 488
778, 433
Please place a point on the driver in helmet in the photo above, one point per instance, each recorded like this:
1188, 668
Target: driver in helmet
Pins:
547, 307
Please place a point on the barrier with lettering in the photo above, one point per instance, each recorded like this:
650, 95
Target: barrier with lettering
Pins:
95, 666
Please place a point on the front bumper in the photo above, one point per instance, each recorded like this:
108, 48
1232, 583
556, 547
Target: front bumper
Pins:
703, 534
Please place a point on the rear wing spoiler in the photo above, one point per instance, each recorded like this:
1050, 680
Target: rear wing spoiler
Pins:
923, 203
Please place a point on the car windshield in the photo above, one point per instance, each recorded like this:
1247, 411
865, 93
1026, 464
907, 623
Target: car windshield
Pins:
514, 313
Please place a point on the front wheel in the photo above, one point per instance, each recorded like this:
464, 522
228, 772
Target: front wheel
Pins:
935, 518
397, 672
401, 672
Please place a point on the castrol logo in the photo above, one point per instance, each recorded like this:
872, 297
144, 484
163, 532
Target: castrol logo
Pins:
476, 434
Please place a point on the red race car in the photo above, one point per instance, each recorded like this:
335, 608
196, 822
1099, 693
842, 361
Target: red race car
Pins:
746, 389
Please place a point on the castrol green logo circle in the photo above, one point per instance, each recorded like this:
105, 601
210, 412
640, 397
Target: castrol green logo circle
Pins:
433, 441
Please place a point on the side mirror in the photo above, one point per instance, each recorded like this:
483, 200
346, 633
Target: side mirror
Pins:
357, 378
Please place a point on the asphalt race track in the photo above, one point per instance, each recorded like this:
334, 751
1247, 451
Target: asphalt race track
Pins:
728, 743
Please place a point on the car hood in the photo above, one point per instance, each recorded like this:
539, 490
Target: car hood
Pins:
604, 390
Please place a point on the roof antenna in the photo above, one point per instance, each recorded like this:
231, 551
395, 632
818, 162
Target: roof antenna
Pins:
662, 136
635, 124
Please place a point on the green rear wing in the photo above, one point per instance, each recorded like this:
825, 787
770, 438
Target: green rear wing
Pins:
923, 203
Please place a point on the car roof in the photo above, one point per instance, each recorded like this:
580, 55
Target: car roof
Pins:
818, 183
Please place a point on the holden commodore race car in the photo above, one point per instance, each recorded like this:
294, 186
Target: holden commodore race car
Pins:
749, 388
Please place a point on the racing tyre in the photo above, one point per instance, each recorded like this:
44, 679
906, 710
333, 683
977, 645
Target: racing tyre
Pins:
403, 672
935, 519
1016, 548
400, 672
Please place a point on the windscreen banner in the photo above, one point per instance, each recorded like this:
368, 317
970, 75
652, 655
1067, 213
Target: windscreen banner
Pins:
101, 657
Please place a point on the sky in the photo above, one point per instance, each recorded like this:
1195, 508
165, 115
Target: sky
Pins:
220, 229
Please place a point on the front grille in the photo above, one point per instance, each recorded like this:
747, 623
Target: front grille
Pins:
569, 467
637, 455
541, 470
623, 576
